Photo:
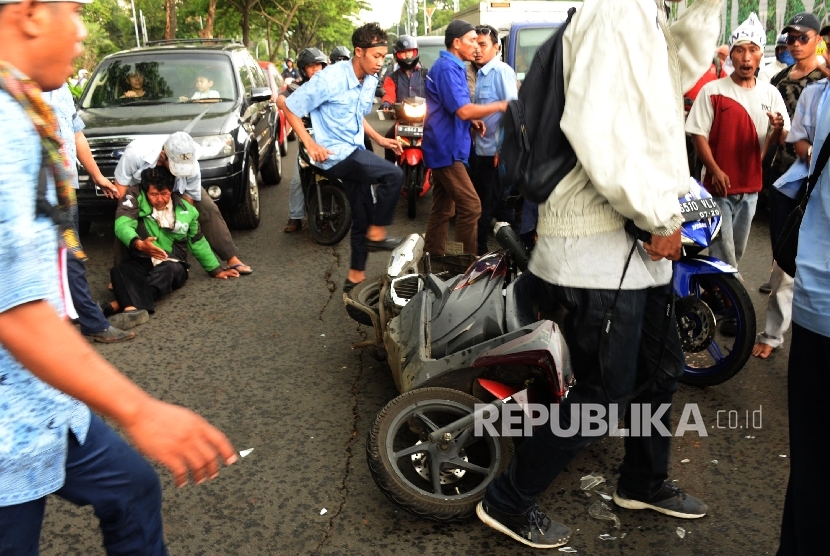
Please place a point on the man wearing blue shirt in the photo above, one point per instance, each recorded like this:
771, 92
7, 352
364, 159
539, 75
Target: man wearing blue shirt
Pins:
495, 81
337, 99
50, 442
447, 140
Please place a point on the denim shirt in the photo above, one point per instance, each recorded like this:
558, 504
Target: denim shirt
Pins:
337, 103
495, 81
69, 122
811, 292
34, 417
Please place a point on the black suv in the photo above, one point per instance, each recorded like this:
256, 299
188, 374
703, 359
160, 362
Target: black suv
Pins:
212, 89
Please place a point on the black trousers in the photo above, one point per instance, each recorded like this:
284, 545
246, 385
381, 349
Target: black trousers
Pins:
137, 283
491, 193
358, 172
808, 380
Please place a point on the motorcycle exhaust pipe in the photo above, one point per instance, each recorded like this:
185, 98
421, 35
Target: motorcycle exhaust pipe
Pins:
508, 239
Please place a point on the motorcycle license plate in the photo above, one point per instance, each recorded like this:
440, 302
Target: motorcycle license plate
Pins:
410, 131
700, 209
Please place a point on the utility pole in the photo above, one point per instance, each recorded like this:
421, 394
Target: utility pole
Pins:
135, 25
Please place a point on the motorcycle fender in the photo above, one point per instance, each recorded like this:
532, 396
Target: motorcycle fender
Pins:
687, 267
413, 157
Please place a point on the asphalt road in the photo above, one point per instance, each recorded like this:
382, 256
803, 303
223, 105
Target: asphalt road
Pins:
267, 358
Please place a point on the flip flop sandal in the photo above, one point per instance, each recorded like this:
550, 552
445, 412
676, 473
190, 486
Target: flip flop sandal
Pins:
239, 267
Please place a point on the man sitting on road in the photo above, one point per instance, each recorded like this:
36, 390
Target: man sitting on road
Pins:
178, 153
310, 61
447, 141
159, 226
338, 98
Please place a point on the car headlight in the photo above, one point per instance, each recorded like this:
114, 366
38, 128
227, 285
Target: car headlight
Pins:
415, 111
214, 146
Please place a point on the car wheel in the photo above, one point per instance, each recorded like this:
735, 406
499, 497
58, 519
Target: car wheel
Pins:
272, 169
247, 215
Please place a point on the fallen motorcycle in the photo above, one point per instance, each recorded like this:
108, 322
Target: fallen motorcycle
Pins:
452, 342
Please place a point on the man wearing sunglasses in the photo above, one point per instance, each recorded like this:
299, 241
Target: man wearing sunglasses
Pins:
802, 38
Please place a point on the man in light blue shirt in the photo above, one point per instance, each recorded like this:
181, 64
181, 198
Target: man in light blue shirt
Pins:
337, 100
808, 374
495, 81
49, 440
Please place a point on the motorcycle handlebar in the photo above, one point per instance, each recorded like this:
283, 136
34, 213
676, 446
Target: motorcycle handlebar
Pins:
508, 239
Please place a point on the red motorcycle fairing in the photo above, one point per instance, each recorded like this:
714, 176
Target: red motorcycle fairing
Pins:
413, 157
490, 265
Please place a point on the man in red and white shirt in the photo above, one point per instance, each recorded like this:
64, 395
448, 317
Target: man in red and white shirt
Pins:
732, 123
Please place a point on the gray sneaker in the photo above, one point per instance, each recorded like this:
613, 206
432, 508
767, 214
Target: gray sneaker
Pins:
669, 500
129, 319
111, 335
532, 528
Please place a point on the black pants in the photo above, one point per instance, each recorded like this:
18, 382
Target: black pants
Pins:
634, 351
492, 195
358, 172
808, 380
137, 283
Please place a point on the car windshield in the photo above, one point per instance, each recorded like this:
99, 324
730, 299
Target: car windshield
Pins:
527, 41
161, 78
428, 53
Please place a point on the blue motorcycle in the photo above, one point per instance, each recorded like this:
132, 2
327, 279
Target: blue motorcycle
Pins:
715, 316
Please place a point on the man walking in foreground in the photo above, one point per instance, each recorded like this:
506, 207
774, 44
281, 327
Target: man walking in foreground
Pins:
583, 251
50, 442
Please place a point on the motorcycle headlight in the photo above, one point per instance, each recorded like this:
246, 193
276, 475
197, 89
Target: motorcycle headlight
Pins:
214, 146
415, 111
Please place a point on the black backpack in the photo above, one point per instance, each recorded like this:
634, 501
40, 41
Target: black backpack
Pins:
534, 154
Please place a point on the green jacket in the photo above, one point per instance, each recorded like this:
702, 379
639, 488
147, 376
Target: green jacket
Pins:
133, 221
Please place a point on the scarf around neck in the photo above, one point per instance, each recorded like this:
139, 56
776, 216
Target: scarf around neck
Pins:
28, 94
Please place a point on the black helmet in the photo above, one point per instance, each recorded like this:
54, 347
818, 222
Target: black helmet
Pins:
308, 57
405, 42
339, 54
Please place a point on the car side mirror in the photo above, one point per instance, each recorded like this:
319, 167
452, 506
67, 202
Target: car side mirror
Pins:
260, 94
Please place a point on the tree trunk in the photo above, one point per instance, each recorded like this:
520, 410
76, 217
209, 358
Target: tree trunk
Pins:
207, 32
245, 23
170, 24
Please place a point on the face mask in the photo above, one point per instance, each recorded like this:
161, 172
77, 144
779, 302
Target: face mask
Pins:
785, 57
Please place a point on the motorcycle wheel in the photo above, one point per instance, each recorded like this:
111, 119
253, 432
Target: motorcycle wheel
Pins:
711, 356
366, 293
333, 226
430, 483
411, 184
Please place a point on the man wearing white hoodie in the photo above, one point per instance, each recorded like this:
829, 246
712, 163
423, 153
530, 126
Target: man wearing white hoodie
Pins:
625, 123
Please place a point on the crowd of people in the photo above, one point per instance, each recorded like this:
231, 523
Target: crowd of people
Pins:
751, 128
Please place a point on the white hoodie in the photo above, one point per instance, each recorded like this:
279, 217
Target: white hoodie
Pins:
625, 73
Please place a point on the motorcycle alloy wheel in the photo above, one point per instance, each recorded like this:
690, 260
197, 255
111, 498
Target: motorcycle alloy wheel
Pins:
333, 225
430, 481
713, 357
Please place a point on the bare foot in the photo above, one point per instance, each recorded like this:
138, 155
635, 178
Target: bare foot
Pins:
762, 351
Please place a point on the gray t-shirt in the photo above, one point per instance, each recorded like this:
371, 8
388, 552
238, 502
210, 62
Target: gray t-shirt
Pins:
144, 153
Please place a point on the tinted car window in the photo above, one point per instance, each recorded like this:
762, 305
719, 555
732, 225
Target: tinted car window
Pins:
163, 77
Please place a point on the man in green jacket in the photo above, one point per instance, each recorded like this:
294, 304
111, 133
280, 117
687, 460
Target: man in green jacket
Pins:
159, 226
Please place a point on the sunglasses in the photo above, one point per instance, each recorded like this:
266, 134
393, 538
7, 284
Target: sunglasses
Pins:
483, 30
803, 39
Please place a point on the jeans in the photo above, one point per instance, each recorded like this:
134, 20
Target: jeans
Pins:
737, 212
358, 172
89, 314
808, 380
452, 193
603, 376
108, 474
296, 198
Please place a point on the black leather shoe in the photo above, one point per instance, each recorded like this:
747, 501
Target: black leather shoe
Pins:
387, 244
